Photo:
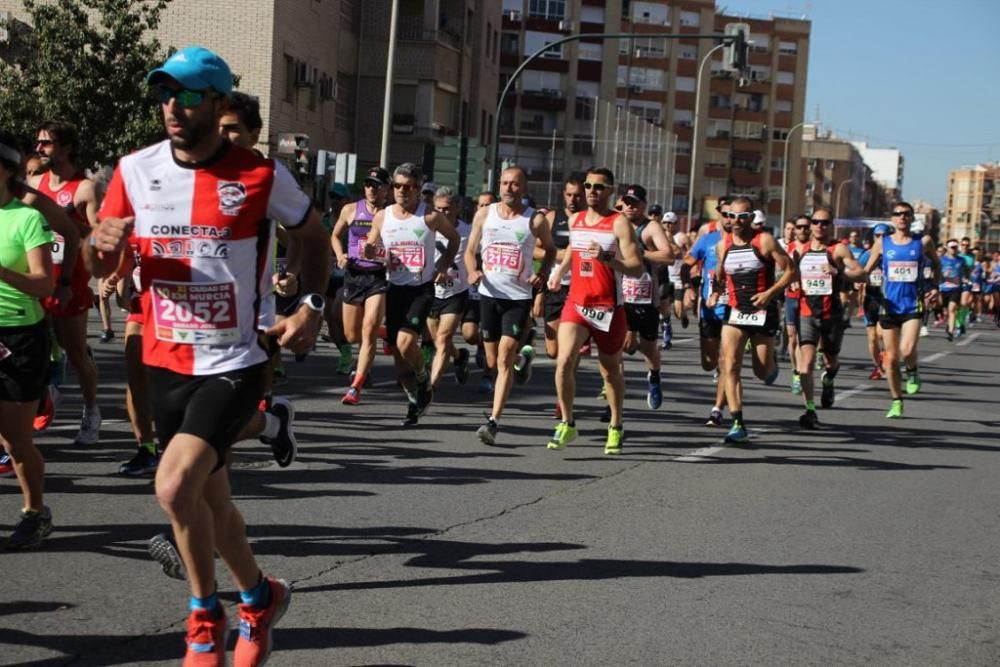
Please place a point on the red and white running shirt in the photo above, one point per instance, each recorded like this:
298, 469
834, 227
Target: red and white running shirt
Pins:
205, 235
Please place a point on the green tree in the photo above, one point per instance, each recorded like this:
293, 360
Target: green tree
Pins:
85, 61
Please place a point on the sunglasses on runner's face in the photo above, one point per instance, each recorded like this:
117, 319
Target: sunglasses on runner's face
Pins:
744, 216
821, 221
405, 187
185, 98
801, 226
372, 184
596, 187
902, 214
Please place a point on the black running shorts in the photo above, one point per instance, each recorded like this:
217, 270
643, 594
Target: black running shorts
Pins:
24, 363
407, 307
503, 317
453, 305
214, 408
643, 319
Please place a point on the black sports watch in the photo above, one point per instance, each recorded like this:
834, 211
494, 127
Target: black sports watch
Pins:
313, 302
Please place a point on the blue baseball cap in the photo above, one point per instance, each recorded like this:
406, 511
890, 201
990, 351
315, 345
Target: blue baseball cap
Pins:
881, 228
195, 68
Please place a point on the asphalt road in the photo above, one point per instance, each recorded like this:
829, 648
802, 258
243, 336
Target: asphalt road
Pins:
871, 542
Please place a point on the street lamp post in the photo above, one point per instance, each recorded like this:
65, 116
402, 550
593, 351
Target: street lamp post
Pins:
784, 172
495, 167
836, 204
387, 101
694, 140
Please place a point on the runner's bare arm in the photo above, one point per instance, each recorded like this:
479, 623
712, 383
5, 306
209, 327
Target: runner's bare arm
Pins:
37, 282
852, 269
664, 252
375, 235
343, 220
85, 201
472, 247
538, 254
103, 251
540, 228
874, 257
439, 224
790, 272
62, 225
630, 263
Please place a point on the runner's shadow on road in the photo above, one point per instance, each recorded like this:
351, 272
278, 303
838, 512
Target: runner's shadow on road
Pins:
108, 650
451, 555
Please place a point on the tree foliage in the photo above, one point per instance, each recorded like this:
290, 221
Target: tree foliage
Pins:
85, 61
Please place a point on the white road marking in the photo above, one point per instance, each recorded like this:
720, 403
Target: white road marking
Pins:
843, 396
966, 341
934, 357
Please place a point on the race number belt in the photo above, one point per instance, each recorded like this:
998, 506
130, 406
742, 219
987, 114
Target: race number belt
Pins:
598, 317
755, 318
195, 313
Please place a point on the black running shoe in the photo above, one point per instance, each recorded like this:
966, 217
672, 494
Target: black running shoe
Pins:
164, 552
826, 395
606, 417
283, 446
107, 336
143, 463
425, 394
30, 530
462, 366
809, 420
412, 414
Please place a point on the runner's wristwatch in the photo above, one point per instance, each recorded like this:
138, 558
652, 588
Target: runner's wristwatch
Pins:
313, 302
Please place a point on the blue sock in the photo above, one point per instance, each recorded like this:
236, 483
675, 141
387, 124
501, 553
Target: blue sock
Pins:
210, 603
259, 596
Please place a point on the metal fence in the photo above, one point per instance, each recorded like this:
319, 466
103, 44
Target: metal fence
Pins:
596, 133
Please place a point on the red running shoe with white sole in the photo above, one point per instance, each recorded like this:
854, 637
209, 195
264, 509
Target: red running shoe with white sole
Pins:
253, 647
206, 639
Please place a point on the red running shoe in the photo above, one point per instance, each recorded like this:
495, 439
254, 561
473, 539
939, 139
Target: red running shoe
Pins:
256, 626
46, 409
206, 639
352, 397
877, 374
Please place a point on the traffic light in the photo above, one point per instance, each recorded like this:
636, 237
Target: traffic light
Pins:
735, 52
302, 154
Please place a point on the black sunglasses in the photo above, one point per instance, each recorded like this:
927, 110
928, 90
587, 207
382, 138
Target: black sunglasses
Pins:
824, 223
596, 187
372, 184
902, 214
185, 98
801, 226
405, 187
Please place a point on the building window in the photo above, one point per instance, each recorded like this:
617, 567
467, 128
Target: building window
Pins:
590, 51
687, 52
720, 102
719, 128
683, 117
534, 40
680, 202
684, 148
685, 83
650, 13
590, 14
553, 10
289, 79
778, 163
692, 19
828, 186
489, 34
786, 78
780, 135
783, 106
716, 158
760, 73
788, 48
830, 164
759, 43
509, 43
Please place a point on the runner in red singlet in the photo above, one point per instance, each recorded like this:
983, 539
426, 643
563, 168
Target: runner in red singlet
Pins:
58, 144
602, 244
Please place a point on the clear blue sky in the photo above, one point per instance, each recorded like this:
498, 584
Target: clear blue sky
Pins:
922, 76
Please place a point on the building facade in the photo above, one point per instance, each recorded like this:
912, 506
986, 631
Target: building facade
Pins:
973, 206
887, 167
742, 126
318, 67
833, 175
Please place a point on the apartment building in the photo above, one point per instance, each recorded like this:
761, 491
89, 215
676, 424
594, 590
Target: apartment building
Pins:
318, 67
973, 206
741, 130
445, 80
887, 167
833, 175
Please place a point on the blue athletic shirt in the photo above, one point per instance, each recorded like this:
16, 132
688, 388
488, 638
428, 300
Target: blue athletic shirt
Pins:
704, 251
952, 270
903, 268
